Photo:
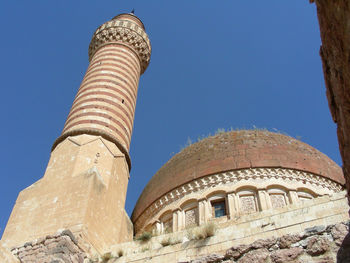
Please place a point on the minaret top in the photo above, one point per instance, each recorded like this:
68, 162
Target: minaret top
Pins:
128, 30
130, 17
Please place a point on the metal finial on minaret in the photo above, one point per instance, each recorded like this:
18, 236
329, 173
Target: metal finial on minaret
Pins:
133, 11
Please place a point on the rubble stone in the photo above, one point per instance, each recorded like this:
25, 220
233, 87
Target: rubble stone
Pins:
255, 256
287, 240
286, 255
58, 248
317, 246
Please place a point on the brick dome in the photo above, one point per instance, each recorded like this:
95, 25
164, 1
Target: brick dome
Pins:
233, 151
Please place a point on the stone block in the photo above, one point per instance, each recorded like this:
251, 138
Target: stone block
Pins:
286, 255
317, 246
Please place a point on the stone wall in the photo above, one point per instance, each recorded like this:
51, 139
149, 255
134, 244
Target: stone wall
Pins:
243, 191
6, 256
334, 23
315, 244
59, 248
182, 247
83, 173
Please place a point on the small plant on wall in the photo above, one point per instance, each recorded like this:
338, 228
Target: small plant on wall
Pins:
144, 237
202, 232
106, 257
166, 242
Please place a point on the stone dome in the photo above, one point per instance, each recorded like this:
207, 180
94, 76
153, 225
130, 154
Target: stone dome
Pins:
232, 151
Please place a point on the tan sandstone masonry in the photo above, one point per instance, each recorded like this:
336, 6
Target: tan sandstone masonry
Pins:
85, 183
241, 232
333, 17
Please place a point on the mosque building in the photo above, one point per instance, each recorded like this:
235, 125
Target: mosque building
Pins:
238, 180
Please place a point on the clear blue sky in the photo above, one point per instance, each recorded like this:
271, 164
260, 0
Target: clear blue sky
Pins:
215, 64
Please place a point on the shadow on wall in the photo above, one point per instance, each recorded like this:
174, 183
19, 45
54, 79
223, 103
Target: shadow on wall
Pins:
343, 255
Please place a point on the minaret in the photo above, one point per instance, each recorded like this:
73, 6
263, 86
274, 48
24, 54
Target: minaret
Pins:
85, 183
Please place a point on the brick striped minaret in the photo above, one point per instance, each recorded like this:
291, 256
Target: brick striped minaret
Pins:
85, 183
105, 103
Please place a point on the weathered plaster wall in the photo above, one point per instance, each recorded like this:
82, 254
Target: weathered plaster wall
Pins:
334, 20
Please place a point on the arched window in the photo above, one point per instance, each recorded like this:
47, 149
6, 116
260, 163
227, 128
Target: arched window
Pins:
218, 205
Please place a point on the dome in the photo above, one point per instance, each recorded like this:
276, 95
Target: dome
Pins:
231, 151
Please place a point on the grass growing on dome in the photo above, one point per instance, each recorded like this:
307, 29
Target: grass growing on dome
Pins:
223, 130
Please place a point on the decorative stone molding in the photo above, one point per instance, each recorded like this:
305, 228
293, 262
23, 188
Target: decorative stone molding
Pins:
123, 32
96, 132
232, 181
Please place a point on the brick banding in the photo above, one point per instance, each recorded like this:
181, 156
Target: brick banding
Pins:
109, 67
106, 100
105, 87
122, 51
96, 81
108, 60
127, 121
108, 55
99, 114
128, 85
127, 80
119, 53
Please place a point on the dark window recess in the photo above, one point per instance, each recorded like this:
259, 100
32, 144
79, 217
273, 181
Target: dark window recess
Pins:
122, 100
219, 208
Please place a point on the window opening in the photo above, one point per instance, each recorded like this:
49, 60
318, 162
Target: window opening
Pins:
219, 208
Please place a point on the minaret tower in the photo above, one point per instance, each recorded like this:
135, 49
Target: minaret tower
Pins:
85, 183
